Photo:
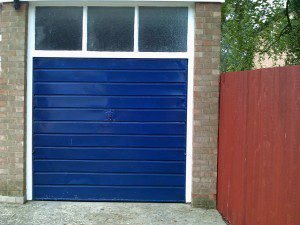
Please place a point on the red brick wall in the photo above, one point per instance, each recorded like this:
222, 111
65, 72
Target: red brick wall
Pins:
13, 26
206, 103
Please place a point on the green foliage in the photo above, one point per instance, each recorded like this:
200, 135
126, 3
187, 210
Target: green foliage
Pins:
293, 39
259, 27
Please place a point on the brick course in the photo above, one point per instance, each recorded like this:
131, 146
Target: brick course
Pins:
206, 103
13, 26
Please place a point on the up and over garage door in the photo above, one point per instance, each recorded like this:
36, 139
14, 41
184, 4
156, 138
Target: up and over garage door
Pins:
109, 129
109, 106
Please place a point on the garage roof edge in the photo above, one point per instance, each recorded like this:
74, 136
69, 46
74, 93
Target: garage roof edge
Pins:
220, 1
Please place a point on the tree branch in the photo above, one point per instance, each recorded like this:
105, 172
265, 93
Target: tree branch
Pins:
283, 31
287, 13
286, 28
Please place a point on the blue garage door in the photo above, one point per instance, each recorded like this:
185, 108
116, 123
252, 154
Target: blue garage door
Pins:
109, 129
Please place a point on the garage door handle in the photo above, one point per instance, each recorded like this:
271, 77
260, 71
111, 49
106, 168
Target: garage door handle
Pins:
109, 115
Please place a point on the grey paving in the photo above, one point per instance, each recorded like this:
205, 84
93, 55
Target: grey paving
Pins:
48, 213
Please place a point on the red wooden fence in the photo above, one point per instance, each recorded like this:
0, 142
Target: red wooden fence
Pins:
259, 147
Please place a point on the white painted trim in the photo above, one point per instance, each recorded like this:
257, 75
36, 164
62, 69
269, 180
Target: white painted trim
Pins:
31, 44
84, 28
90, 54
136, 29
105, 1
190, 104
113, 3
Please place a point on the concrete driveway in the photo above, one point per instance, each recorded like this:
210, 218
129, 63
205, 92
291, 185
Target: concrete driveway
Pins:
57, 213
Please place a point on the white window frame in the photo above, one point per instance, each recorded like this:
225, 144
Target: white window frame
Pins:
110, 54
189, 54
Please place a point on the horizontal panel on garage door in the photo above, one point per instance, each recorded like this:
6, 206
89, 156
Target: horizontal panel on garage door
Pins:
109, 153
108, 89
110, 76
109, 102
120, 115
109, 129
109, 166
110, 64
109, 193
104, 179
44, 127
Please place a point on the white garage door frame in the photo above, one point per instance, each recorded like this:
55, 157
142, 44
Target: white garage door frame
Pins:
189, 54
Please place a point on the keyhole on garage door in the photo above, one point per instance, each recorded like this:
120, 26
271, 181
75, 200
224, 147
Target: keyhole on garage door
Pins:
110, 115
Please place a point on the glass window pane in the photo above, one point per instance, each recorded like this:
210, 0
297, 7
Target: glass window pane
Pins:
163, 29
110, 28
58, 28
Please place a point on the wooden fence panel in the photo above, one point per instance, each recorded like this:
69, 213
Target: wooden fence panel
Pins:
259, 147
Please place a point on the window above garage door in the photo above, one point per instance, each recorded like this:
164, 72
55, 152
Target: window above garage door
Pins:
111, 29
